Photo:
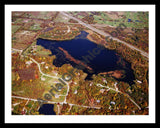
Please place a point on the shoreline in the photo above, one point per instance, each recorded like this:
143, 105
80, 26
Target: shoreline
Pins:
100, 42
53, 39
97, 39
73, 59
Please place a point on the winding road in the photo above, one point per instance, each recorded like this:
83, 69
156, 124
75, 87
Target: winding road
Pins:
64, 102
101, 33
125, 94
51, 102
41, 70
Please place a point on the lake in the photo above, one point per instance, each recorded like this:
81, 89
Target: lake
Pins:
81, 48
47, 109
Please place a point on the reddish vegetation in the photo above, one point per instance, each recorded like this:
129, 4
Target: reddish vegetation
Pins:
116, 73
26, 74
74, 60
23, 113
36, 76
73, 21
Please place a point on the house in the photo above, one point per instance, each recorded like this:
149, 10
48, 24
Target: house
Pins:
98, 101
112, 102
102, 90
139, 81
42, 62
43, 79
56, 96
46, 67
28, 62
115, 83
104, 80
91, 84
75, 92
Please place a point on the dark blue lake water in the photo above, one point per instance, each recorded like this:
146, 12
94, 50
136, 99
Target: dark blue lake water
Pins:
47, 109
103, 60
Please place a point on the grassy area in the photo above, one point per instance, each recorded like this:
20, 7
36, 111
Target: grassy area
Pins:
18, 21
143, 18
97, 18
79, 16
39, 15
59, 99
13, 76
51, 82
61, 18
35, 27
15, 28
40, 51
105, 16
28, 89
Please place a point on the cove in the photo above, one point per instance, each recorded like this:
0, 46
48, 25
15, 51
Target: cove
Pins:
79, 48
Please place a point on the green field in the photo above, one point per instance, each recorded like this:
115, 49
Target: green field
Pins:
15, 28
142, 17
79, 16
61, 18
